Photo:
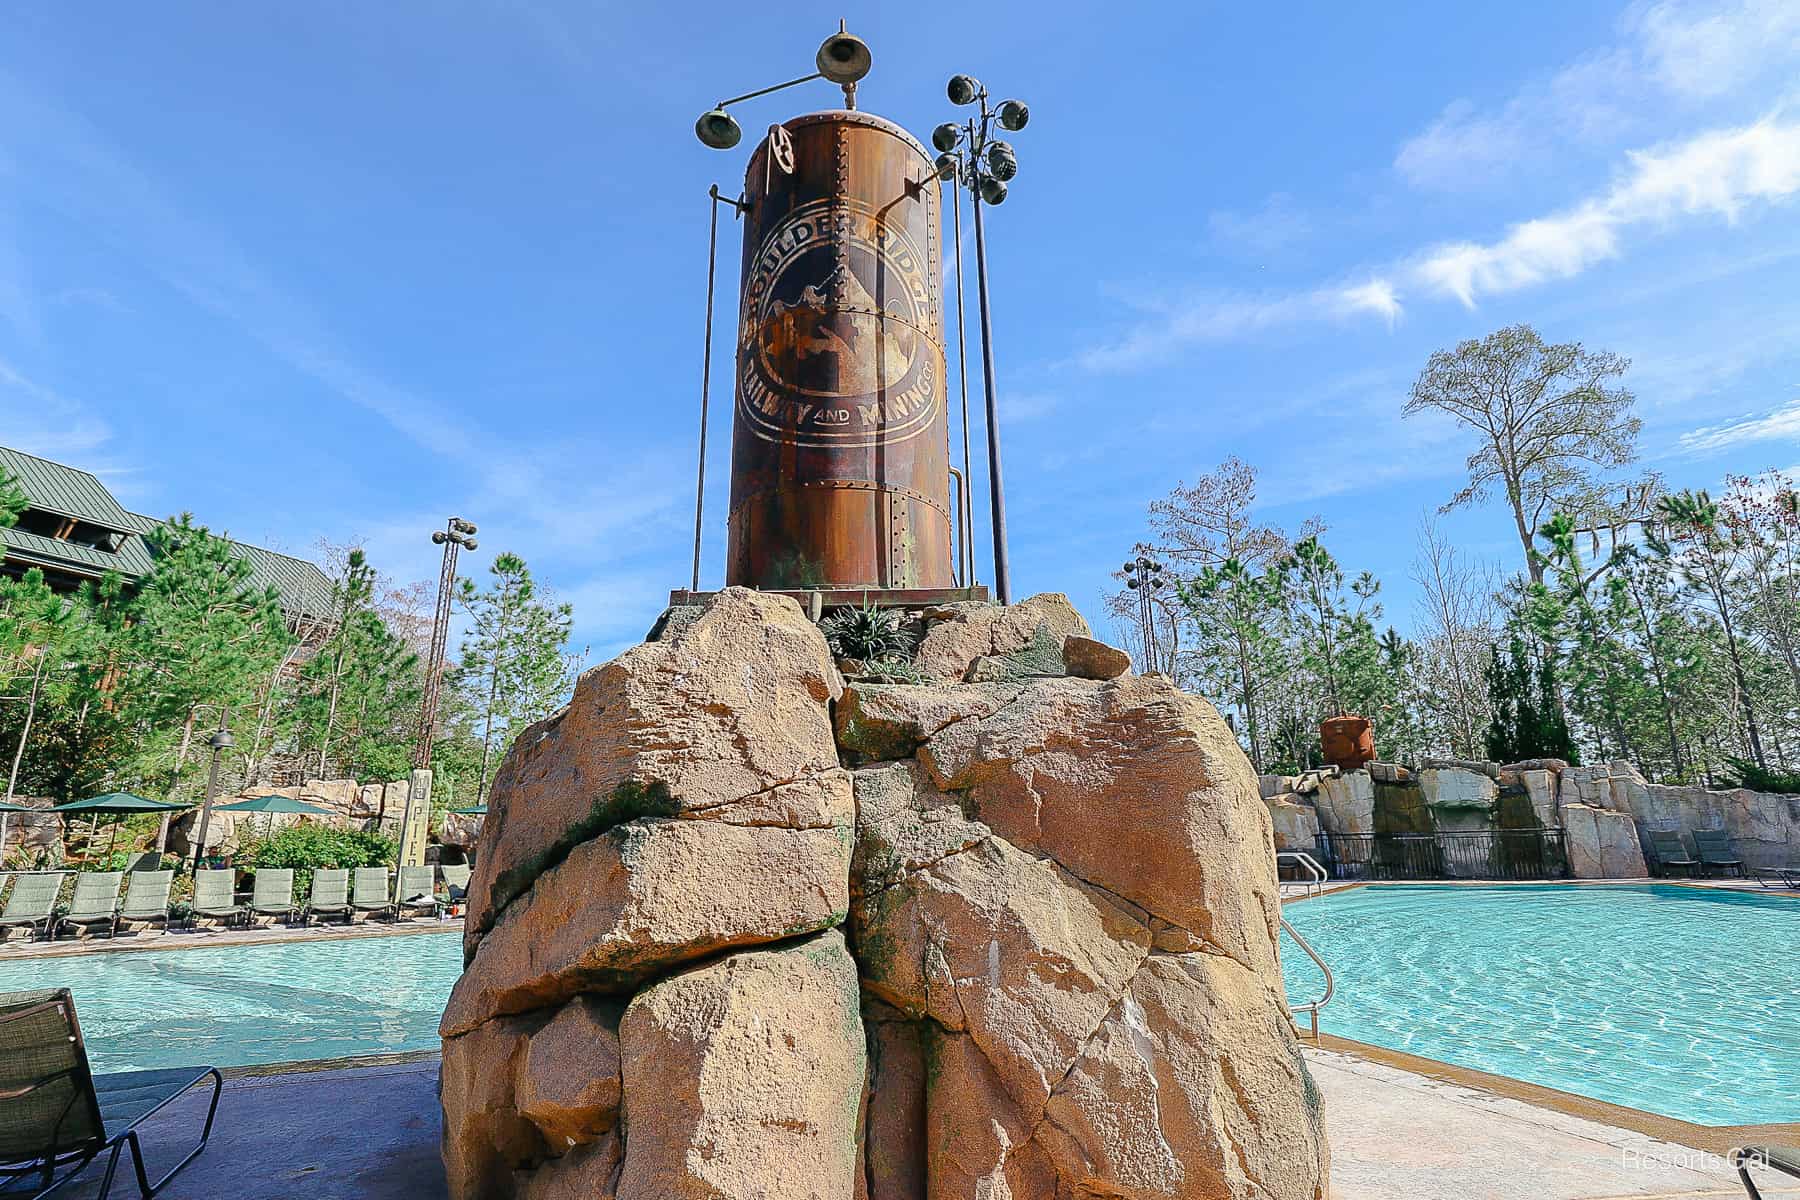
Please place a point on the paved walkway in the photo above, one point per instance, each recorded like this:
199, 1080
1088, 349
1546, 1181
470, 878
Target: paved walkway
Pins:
371, 1133
1400, 1136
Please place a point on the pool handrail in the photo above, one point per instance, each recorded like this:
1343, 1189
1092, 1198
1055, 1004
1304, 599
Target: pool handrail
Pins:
1311, 1007
1316, 875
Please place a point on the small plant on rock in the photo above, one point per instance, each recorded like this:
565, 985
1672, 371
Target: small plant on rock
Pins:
867, 634
892, 670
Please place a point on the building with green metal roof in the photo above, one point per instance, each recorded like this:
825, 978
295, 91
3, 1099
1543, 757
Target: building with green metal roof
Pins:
75, 531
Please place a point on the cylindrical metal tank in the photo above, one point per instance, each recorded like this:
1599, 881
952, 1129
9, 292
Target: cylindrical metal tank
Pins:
840, 447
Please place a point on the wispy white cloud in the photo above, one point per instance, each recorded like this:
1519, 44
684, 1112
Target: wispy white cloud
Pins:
1705, 49
1781, 423
40, 420
1276, 226
1670, 57
1018, 407
1718, 173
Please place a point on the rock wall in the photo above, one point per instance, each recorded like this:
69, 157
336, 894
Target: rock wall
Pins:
1605, 810
740, 929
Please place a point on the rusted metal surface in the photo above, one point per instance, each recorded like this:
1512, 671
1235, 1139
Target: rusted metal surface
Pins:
842, 597
840, 447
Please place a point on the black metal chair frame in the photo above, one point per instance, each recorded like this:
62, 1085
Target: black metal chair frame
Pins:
1742, 1156
76, 1158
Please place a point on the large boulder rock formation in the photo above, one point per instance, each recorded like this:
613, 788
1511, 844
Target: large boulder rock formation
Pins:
740, 929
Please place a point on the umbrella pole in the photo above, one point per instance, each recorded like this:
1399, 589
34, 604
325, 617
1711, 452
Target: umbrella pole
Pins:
113, 841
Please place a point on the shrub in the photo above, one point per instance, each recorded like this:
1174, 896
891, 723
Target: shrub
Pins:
867, 634
1747, 774
308, 848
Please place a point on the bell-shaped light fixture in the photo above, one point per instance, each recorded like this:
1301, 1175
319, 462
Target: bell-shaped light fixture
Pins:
717, 128
945, 135
992, 190
1002, 163
1013, 115
946, 166
843, 58
963, 89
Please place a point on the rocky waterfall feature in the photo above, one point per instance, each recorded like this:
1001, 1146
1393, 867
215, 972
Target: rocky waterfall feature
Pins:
741, 929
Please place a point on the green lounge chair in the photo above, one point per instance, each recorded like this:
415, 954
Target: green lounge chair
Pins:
1784, 879
272, 895
33, 901
215, 896
456, 881
414, 892
330, 895
1785, 1159
146, 898
1714, 846
1670, 854
96, 900
56, 1115
370, 894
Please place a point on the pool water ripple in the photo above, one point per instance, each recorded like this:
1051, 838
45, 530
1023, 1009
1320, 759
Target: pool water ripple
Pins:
1674, 1000
234, 1006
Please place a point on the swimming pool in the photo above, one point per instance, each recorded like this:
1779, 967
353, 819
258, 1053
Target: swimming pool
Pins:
233, 1006
1675, 1000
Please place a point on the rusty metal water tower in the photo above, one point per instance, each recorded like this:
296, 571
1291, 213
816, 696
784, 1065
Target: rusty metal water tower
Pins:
840, 468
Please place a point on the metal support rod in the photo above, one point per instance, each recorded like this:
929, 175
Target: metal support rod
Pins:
962, 524
774, 88
712, 258
996, 489
962, 370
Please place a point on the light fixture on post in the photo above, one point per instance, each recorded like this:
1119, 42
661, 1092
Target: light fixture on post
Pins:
971, 157
843, 59
1144, 576
457, 534
220, 741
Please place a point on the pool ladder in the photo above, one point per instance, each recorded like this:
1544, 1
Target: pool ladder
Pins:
1316, 877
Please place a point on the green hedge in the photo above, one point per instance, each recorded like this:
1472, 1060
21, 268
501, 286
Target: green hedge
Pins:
308, 848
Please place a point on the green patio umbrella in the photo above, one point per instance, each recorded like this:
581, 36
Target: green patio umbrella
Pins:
273, 805
480, 810
9, 806
117, 804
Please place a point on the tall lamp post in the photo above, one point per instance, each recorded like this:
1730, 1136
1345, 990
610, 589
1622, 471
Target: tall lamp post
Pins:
457, 534
220, 741
1144, 576
971, 157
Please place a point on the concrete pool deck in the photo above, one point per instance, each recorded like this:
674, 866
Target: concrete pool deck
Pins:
371, 1133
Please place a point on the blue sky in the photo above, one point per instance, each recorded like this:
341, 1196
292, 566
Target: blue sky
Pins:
336, 270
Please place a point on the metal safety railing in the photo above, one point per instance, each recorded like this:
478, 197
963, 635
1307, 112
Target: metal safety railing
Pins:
1496, 854
1311, 1007
1314, 873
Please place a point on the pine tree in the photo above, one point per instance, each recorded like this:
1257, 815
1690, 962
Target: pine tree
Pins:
512, 670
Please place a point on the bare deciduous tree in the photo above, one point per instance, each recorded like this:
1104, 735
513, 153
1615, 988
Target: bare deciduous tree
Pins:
1457, 616
1547, 415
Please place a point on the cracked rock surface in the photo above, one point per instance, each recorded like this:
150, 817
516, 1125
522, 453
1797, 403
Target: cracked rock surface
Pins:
741, 930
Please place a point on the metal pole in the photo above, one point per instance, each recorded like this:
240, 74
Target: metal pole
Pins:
712, 258
212, 787
962, 370
997, 493
434, 664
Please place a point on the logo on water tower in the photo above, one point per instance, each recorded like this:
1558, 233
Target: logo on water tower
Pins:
834, 348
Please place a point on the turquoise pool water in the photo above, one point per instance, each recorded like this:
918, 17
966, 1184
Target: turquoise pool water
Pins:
233, 1006
1673, 1000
